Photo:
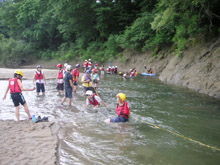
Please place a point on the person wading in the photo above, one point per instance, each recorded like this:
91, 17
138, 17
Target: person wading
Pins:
40, 80
16, 88
68, 85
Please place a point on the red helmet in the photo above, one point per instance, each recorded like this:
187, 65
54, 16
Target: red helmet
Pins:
96, 64
94, 70
59, 65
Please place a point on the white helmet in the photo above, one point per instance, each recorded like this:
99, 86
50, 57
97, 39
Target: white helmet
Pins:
130, 69
85, 60
116, 66
89, 93
113, 67
65, 65
69, 67
89, 59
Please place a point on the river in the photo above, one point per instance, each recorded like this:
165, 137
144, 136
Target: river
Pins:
168, 124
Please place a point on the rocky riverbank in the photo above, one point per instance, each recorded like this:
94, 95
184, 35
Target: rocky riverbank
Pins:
198, 68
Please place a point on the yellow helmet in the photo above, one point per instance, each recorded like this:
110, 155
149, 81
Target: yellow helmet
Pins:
19, 72
122, 96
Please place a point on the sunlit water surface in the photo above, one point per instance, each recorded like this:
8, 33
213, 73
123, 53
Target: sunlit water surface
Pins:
86, 139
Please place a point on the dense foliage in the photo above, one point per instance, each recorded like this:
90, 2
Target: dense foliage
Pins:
55, 29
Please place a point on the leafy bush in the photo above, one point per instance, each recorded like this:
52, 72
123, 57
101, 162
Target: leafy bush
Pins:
14, 53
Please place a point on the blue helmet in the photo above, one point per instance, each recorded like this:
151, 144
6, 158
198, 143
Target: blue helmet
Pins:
88, 71
77, 65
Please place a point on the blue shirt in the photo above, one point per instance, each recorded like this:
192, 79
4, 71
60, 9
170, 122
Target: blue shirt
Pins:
67, 77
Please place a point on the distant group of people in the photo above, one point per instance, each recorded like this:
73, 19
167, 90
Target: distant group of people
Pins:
112, 70
67, 81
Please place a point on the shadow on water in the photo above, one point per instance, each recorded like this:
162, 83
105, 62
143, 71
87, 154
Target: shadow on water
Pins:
86, 139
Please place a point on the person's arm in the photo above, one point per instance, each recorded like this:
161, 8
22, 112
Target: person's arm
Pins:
84, 80
87, 103
77, 76
21, 86
100, 101
71, 80
6, 92
104, 103
77, 79
71, 83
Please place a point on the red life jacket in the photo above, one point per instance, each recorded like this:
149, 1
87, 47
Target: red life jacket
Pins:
75, 73
108, 70
60, 74
93, 101
13, 85
39, 76
123, 110
116, 69
102, 69
89, 64
85, 64
132, 74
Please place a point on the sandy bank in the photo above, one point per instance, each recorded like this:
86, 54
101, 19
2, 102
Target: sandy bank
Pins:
7, 73
25, 142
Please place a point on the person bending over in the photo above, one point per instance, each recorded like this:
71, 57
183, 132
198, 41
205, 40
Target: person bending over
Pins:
93, 99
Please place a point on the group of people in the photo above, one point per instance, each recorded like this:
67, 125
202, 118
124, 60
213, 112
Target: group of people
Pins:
67, 81
112, 70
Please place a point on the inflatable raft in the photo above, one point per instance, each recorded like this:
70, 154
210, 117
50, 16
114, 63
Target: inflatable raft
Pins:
148, 74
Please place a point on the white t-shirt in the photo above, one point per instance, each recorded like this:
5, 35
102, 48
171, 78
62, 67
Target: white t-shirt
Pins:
96, 97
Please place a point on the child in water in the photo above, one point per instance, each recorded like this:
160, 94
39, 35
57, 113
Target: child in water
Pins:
40, 80
122, 110
93, 99
59, 79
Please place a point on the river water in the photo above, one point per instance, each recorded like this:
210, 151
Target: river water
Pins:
164, 121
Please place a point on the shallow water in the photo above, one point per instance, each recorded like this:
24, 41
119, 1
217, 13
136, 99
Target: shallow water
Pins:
86, 139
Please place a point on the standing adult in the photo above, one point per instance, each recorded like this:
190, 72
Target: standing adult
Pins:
16, 87
68, 85
87, 82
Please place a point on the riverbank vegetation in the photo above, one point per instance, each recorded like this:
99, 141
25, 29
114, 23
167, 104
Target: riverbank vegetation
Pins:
64, 30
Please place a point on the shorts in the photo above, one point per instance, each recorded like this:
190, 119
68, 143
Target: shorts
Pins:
17, 99
75, 83
88, 88
60, 86
40, 87
68, 92
118, 119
